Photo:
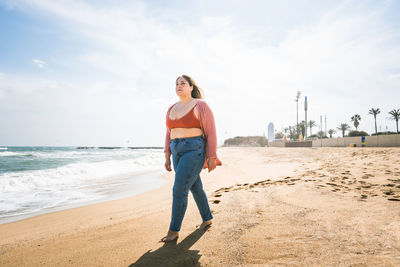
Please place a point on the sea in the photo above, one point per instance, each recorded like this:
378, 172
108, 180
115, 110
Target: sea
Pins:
37, 180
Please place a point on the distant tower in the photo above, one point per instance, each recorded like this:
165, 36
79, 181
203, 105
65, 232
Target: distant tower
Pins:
271, 132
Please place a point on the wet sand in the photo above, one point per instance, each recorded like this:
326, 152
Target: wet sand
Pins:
272, 207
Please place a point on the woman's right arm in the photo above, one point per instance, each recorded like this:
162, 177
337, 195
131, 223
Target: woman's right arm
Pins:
167, 150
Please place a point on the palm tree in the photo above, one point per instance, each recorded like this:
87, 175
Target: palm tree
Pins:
302, 128
356, 119
285, 130
343, 127
321, 134
311, 124
395, 116
292, 133
374, 111
278, 135
330, 132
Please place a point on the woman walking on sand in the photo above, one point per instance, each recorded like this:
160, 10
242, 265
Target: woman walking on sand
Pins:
191, 140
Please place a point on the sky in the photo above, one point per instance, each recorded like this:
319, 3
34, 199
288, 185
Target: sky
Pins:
102, 73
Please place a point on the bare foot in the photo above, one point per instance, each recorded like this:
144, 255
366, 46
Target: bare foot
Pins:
171, 236
205, 224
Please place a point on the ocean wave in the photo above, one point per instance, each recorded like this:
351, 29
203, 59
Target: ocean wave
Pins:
3, 148
76, 173
26, 191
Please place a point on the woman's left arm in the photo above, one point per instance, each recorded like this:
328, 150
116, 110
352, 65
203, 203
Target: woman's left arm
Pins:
209, 129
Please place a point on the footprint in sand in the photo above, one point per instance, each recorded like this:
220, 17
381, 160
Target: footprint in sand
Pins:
331, 184
216, 201
389, 193
218, 195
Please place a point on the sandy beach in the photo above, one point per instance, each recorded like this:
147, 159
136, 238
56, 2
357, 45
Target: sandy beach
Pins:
272, 207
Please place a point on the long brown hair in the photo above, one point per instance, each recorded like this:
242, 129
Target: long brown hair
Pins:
196, 92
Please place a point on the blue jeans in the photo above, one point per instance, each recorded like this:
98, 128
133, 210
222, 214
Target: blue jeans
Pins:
188, 156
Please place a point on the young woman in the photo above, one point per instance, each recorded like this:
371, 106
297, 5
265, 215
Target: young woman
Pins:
191, 140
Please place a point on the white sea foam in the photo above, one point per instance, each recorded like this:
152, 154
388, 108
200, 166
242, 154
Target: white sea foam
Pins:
45, 154
9, 153
3, 148
30, 191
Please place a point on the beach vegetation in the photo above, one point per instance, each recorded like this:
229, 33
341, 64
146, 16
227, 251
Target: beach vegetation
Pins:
302, 127
384, 133
343, 127
331, 132
285, 130
311, 124
358, 133
321, 134
293, 133
374, 111
395, 115
279, 135
356, 120
246, 141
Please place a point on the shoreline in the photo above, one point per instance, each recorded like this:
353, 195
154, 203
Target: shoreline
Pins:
271, 206
125, 190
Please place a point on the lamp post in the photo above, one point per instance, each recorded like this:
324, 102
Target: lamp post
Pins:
297, 111
305, 112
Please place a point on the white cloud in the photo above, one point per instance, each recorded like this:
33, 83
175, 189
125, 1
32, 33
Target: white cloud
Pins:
339, 60
2, 75
394, 76
39, 63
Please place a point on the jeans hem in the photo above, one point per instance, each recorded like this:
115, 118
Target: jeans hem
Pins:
208, 219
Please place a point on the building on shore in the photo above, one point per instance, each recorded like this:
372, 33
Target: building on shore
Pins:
271, 132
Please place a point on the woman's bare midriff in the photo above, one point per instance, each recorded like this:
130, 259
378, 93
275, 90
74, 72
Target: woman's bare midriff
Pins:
185, 132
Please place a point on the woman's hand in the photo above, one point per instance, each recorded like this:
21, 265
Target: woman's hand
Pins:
212, 164
168, 165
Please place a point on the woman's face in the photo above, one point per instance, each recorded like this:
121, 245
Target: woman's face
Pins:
182, 87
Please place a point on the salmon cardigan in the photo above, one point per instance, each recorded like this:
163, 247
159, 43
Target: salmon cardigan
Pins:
207, 125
